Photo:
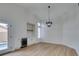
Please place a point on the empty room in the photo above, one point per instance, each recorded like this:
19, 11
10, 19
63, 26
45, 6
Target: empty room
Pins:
39, 29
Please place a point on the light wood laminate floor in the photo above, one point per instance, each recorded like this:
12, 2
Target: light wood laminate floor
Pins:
44, 49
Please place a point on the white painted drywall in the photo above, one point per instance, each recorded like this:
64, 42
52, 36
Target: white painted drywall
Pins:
32, 36
54, 34
65, 29
16, 17
71, 29
65, 19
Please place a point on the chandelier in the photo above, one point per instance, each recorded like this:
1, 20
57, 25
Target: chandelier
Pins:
49, 22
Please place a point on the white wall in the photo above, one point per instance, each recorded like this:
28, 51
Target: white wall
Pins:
71, 29
65, 29
32, 36
16, 17
52, 34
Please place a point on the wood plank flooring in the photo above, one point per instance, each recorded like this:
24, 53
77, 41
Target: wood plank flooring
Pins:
44, 49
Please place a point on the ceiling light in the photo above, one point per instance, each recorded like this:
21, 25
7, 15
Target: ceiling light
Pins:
49, 22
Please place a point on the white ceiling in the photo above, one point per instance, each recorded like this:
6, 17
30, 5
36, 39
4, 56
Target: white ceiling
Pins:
40, 10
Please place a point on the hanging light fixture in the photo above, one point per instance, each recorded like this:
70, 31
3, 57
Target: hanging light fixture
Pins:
49, 22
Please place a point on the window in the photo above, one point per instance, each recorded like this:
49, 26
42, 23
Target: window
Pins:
3, 36
38, 30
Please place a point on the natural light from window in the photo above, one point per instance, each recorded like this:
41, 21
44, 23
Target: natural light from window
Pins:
38, 30
3, 36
